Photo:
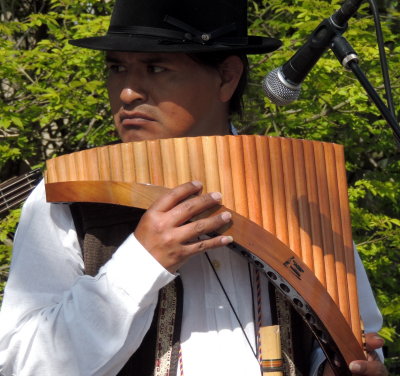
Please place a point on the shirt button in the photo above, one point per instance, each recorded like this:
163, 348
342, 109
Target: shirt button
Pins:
216, 264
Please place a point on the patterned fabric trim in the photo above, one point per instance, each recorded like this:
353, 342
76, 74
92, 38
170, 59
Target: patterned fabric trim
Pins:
169, 327
284, 320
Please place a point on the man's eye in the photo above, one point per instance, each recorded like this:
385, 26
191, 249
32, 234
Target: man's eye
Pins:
156, 69
116, 68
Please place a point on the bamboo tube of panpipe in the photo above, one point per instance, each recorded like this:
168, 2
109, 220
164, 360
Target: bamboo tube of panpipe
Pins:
80, 163
182, 160
155, 162
336, 224
169, 162
91, 164
348, 244
292, 208
252, 183
303, 204
62, 170
52, 175
141, 162
128, 161
238, 175
117, 173
278, 187
264, 171
104, 162
323, 197
211, 164
70, 167
271, 354
196, 160
225, 172
312, 190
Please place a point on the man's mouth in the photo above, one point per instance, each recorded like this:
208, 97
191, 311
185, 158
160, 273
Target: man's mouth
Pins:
135, 119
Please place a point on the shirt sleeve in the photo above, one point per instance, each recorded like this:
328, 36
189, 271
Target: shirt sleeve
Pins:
57, 321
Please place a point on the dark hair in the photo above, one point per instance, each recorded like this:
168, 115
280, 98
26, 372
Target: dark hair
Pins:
214, 59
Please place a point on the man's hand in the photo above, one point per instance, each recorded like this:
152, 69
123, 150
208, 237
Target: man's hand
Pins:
370, 367
165, 232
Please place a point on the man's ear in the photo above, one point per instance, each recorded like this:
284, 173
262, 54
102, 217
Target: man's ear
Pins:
230, 71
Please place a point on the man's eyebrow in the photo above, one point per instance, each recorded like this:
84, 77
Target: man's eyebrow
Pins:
110, 59
145, 59
155, 59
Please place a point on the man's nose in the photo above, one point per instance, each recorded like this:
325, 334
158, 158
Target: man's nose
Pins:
131, 94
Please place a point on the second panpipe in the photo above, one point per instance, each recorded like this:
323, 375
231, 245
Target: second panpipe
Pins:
295, 189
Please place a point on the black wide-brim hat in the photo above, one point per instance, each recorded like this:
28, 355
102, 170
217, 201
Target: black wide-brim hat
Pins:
189, 26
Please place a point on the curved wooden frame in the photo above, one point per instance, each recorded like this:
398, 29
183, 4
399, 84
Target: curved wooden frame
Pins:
283, 267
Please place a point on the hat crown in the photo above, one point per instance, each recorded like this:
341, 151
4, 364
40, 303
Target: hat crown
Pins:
188, 26
204, 16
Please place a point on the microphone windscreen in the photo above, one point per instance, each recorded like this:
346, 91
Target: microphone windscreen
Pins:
278, 90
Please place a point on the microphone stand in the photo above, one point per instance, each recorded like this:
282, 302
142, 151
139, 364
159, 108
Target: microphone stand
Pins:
349, 59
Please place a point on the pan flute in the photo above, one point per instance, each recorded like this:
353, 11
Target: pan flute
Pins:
295, 190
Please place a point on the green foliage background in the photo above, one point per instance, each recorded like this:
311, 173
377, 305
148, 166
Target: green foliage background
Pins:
53, 101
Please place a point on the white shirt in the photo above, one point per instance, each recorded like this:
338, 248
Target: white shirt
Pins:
57, 321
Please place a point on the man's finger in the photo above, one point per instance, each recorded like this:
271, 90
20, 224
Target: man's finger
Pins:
206, 244
176, 195
193, 207
373, 341
202, 227
364, 367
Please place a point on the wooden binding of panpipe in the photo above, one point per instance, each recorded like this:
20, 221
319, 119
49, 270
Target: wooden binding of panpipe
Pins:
294, 189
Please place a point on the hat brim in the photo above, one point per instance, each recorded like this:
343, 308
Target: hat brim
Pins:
132, 43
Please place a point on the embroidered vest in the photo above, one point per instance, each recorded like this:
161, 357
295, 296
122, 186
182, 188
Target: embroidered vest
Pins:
101, 230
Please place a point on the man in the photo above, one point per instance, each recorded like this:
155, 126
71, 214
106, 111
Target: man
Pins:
71, 310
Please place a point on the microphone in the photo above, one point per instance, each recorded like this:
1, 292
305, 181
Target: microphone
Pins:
283, 85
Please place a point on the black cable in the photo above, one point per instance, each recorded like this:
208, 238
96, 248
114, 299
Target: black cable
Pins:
231, 305
388, 116
253, 303
382, 57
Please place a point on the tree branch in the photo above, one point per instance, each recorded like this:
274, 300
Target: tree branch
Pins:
8, 135
23, 71
372, 241
326, 110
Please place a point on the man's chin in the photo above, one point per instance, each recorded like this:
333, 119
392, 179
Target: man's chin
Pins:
132, 135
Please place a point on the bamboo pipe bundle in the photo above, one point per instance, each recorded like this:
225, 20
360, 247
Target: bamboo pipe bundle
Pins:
295, 189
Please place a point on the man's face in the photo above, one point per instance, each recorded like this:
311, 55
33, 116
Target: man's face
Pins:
161, 95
